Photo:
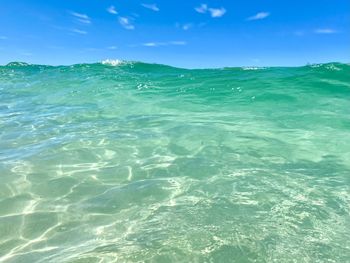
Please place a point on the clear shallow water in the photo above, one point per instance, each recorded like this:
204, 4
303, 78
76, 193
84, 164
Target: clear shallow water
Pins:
148, 163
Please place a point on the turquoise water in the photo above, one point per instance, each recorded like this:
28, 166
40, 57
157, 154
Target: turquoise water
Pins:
134, 162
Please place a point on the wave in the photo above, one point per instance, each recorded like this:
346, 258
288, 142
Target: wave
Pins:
112, 62
143, 66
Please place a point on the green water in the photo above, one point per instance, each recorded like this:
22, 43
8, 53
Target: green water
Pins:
148, 163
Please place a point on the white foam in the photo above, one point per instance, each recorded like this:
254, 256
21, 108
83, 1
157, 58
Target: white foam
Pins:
253, 68
112, 62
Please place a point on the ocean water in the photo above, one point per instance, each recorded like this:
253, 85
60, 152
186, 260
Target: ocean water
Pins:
135, 162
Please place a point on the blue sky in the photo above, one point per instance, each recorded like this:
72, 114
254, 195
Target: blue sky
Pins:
192, 33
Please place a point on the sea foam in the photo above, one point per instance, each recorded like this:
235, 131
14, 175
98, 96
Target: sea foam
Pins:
112, 62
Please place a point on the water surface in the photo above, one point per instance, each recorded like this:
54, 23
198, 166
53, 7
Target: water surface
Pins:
134, 162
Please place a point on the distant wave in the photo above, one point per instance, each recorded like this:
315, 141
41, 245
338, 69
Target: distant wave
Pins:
253, 68
17, 64
138, 65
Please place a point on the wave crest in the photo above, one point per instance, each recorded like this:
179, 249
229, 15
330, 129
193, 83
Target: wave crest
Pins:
112, 62
17, 64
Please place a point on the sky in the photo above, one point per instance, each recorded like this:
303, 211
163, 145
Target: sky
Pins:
190, 34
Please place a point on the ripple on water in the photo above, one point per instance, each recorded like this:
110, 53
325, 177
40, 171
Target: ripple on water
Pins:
147, 163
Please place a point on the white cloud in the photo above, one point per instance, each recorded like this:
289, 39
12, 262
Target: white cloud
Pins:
112, 47
125, 22
258, 16
203, 8
112, 10
325, 31
217, 12
82, 18
78, 15
214, 12
152, 7
78, 31
170, 43
151, 44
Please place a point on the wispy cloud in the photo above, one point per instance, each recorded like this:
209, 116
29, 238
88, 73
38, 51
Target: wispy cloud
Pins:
178, 43
112, 10
325, 31
170, 43
112, 47
184, 26
3, 37
203, 8
152, 7
70, 30
125, 22
259, 16
82, 18
214, 12
78, 31
151, 44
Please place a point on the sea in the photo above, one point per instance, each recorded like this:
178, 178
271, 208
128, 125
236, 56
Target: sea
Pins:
132, 162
